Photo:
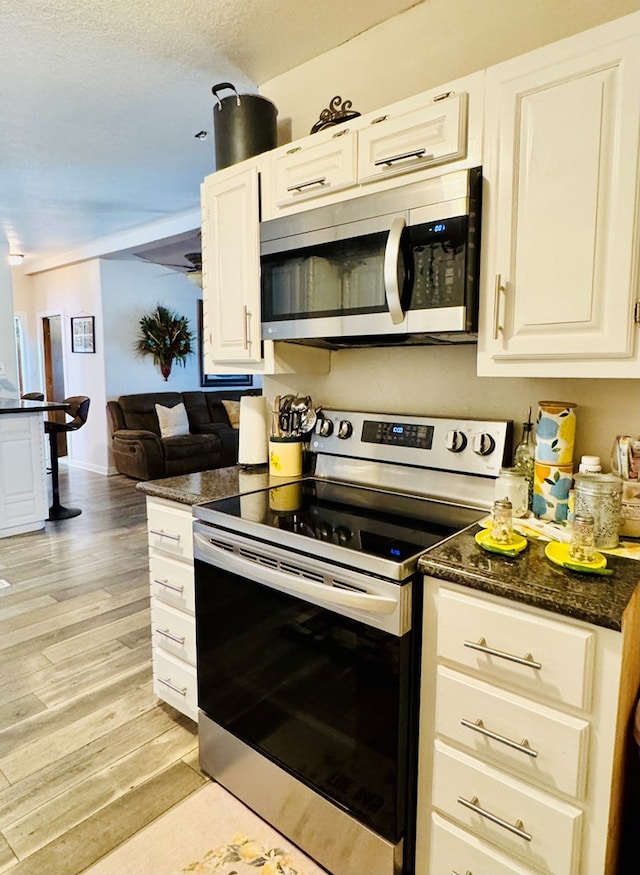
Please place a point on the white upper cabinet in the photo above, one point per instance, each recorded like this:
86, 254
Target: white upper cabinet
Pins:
231, 265
376, 151
232, 319
326, 163
559, 236
402, 141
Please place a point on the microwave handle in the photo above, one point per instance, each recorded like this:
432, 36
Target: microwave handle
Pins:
392, 256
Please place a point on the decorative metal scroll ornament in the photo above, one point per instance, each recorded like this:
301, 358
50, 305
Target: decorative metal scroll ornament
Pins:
338, 111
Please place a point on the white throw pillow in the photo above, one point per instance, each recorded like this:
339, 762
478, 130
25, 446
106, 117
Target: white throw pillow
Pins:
173, 421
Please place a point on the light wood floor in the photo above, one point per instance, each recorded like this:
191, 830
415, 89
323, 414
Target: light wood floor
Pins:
88, 755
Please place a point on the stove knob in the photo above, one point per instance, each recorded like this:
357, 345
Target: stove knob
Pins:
483, 444
343, 535
323, 530
345, 429
324, 427
456, 441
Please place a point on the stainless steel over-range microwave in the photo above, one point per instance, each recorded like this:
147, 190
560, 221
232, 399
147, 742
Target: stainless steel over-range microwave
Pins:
399, 266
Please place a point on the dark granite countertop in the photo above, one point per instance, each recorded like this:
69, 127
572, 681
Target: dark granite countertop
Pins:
532, 579
206, 486
18, 405
529, 578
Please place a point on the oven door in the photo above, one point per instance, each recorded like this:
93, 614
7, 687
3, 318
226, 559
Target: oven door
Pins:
314, 668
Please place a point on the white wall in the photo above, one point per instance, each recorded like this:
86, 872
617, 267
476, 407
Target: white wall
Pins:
129, 291
8, 380
426, 46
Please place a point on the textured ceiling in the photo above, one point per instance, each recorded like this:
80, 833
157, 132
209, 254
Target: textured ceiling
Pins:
100, 101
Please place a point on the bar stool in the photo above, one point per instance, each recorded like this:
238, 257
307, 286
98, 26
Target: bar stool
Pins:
78, 410
32, 396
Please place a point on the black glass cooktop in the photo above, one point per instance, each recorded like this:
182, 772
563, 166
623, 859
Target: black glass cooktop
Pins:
392, 526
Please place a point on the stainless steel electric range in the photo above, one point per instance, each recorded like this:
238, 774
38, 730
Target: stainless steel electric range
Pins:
308, 618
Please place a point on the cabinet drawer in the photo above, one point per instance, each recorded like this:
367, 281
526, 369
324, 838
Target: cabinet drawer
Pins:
169, 529
542, 744
412, 140
540, 830
175, 682
303, 172
174, 632
172, 582
455, 852
544, 657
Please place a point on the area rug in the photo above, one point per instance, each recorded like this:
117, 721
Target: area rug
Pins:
209, 833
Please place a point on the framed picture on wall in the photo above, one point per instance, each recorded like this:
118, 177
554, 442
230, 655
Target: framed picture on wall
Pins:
83, 334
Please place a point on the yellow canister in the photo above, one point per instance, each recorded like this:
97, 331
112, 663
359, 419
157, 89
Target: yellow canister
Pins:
285, 456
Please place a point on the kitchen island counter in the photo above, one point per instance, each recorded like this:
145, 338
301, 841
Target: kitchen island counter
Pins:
23, 477
532, 579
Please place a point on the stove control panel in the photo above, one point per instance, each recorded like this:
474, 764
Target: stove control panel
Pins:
466, 446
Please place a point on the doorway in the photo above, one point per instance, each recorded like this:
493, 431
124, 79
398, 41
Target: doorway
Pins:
54, 371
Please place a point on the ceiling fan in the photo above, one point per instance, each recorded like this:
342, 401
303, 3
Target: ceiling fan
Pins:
193, 271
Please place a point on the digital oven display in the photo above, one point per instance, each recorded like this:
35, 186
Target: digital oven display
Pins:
397, 434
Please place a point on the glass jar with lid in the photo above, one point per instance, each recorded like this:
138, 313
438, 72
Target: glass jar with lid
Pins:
501, 525
512, 484
600, 496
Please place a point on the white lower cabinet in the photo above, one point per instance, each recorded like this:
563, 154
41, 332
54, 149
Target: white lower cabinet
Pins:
542, 830
172, 604
23, 486
523, 715
456, 852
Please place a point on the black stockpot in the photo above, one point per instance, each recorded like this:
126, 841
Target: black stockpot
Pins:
244, 125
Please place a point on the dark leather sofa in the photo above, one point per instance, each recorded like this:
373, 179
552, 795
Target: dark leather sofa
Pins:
141, 452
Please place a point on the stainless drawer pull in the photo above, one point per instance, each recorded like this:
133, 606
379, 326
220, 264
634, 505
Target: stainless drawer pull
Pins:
516, 829
167, 585
166, 634
418, 153
478, 726
167, 682
162, 534
468, 872
381, 118
481, 645
340, 133
321, 180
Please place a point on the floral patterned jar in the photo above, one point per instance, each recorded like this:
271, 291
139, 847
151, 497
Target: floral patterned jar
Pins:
555, 432
600, 496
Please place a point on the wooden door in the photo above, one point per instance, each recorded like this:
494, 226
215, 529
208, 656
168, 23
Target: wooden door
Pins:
54, 371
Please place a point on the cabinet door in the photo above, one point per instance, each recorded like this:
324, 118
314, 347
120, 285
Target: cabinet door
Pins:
397, 143
23, 487
231, 266
307, 170
561, 173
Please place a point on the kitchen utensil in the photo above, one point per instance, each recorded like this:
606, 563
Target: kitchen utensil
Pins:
243, 125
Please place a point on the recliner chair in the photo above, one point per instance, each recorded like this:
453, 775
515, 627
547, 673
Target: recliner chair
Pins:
78, 410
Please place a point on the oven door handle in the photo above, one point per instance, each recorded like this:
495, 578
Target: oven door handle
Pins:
291, 583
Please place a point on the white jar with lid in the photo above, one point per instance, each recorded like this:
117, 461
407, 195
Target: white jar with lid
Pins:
513, 486
590, 465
